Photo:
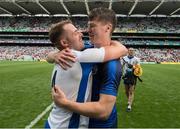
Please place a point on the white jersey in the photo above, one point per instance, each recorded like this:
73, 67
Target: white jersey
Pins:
132, 61
76, 83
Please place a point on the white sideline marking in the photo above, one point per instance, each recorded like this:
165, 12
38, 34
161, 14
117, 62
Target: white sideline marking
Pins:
39, 117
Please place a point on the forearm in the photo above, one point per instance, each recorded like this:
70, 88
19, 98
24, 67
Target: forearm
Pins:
100, 109
89, 109
115, 51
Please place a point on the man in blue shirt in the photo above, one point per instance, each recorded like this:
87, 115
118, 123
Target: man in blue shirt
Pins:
102, 108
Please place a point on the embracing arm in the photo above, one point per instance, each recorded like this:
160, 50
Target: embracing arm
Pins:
103, 54
115, 51
100, 109
61, 57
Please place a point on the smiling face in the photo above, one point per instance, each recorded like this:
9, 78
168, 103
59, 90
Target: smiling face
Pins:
64, 34
102, 22
97, 31
73, 36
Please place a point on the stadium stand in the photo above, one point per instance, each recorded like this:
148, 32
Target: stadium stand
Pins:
39, 53
18, 52
158, 55
154, 30
126, 25
13, 31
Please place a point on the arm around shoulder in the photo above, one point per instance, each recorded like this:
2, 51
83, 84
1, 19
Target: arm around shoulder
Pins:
115, 51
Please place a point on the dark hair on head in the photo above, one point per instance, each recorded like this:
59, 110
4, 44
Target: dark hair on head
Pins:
56, 31
103, 15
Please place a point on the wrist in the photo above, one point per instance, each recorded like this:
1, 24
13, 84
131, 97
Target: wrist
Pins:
64, 103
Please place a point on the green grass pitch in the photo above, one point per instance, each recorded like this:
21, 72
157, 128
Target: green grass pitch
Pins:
25, 93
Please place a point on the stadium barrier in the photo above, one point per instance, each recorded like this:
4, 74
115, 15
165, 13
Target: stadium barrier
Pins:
170, 63
148, 63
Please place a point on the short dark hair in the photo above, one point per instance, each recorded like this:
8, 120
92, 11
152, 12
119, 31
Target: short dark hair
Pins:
56, 32
104, 15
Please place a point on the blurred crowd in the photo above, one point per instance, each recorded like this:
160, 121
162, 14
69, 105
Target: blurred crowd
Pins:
25, 40
149, 42
149, 25
158, 55
140, 25
18, 52
132, 25
40, 53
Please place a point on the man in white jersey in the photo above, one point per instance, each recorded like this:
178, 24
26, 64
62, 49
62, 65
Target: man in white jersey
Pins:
129, 79
76, 81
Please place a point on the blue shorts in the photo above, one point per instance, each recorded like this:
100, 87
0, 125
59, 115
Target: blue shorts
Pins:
46, 126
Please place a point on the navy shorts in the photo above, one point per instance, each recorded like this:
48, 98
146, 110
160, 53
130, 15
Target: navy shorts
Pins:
46, 126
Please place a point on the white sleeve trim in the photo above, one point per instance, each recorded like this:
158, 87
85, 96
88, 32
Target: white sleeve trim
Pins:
90, 55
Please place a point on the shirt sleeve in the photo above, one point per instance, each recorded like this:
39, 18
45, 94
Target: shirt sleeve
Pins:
90, 55
111, 76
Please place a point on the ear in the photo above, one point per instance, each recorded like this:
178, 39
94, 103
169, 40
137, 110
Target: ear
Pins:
109, 27
64, 43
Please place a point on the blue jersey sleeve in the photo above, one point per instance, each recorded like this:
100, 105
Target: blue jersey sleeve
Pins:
111, 76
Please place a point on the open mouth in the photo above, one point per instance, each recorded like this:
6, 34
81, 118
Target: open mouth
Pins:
91, 35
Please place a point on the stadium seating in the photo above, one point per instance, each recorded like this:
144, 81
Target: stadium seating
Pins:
154, 42
158, 55
132, 25
145, 54
125, 25
17, 52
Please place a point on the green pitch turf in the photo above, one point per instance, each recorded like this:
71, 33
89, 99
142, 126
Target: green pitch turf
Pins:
25, 93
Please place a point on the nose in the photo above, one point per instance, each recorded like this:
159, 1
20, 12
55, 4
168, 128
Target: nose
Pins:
81, 33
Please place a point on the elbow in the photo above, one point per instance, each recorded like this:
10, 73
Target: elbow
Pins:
125, 51
104, 116
103, 112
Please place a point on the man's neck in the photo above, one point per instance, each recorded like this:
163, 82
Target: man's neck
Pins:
103, 42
